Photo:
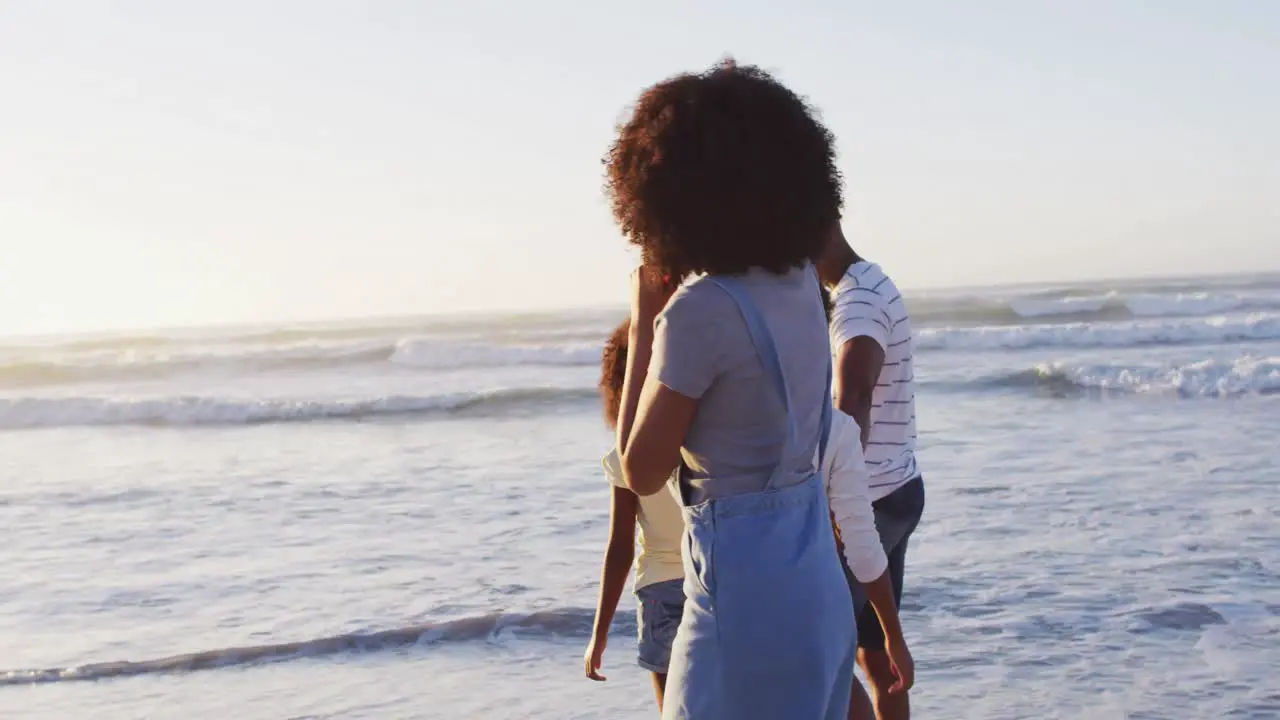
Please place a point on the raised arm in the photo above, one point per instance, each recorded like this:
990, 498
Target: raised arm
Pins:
654, 419
661, 420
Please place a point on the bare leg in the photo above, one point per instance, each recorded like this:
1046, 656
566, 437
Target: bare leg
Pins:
875, 663
659, 687
859, 703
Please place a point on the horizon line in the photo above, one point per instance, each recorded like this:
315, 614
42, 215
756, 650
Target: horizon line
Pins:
394, 319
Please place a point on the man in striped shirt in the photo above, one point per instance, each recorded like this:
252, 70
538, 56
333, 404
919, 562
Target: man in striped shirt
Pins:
874, 382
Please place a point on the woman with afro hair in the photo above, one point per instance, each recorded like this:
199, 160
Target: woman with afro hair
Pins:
729, 176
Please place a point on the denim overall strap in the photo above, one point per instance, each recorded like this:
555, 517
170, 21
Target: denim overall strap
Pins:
767, 351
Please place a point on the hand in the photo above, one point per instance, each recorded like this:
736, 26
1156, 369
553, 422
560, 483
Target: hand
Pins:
595, 656
904, 668
650, 291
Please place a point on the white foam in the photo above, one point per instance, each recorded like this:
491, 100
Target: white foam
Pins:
1258, 326
187, 411
1036, 307
51, 366
998, 307
1206, 378
440, 355
1182, 304
1140, 305
23, 368
1244, 645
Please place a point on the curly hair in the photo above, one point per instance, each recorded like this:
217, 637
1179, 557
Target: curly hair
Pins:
724, 171
613, 370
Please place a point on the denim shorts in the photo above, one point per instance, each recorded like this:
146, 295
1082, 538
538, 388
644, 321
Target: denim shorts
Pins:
658, 613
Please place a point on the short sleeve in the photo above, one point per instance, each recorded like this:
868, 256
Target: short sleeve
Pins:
859, 312
687, 355
613, 469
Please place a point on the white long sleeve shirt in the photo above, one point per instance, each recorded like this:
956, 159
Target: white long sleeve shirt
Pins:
844, 471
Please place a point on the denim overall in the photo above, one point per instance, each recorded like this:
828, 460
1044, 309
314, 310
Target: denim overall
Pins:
768, 629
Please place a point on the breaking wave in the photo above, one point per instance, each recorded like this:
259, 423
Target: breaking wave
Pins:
1206, 378
1097, 315
566, 622
32, 369
436, 355
19, 413
419, 354
1214, 378
1059, 306
1222, 329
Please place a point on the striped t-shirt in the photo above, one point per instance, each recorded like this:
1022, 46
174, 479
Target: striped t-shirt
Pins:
866, 302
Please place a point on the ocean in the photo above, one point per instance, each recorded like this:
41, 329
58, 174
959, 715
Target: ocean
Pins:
405, 518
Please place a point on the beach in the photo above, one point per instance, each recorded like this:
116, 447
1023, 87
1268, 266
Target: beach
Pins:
405, 518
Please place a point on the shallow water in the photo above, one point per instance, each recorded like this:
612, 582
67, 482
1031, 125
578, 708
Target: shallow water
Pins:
1100, 540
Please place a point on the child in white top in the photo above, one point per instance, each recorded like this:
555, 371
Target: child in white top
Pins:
659, 571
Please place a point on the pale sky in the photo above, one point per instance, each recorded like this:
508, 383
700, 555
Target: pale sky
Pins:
170, 163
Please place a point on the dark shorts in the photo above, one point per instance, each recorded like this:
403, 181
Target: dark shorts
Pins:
897, 515
659, 609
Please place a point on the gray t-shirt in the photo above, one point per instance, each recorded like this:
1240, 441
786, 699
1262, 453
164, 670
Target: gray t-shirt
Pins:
702, 350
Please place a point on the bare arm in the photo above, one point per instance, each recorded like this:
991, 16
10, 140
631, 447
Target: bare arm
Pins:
639, 353
618, 557
880, 595
661, 422
859, 362
653, 419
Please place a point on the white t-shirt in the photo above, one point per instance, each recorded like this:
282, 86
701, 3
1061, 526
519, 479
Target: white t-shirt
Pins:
867, 303
661, 529
844, 471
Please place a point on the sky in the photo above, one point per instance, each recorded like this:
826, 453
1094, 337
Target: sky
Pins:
180, 163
